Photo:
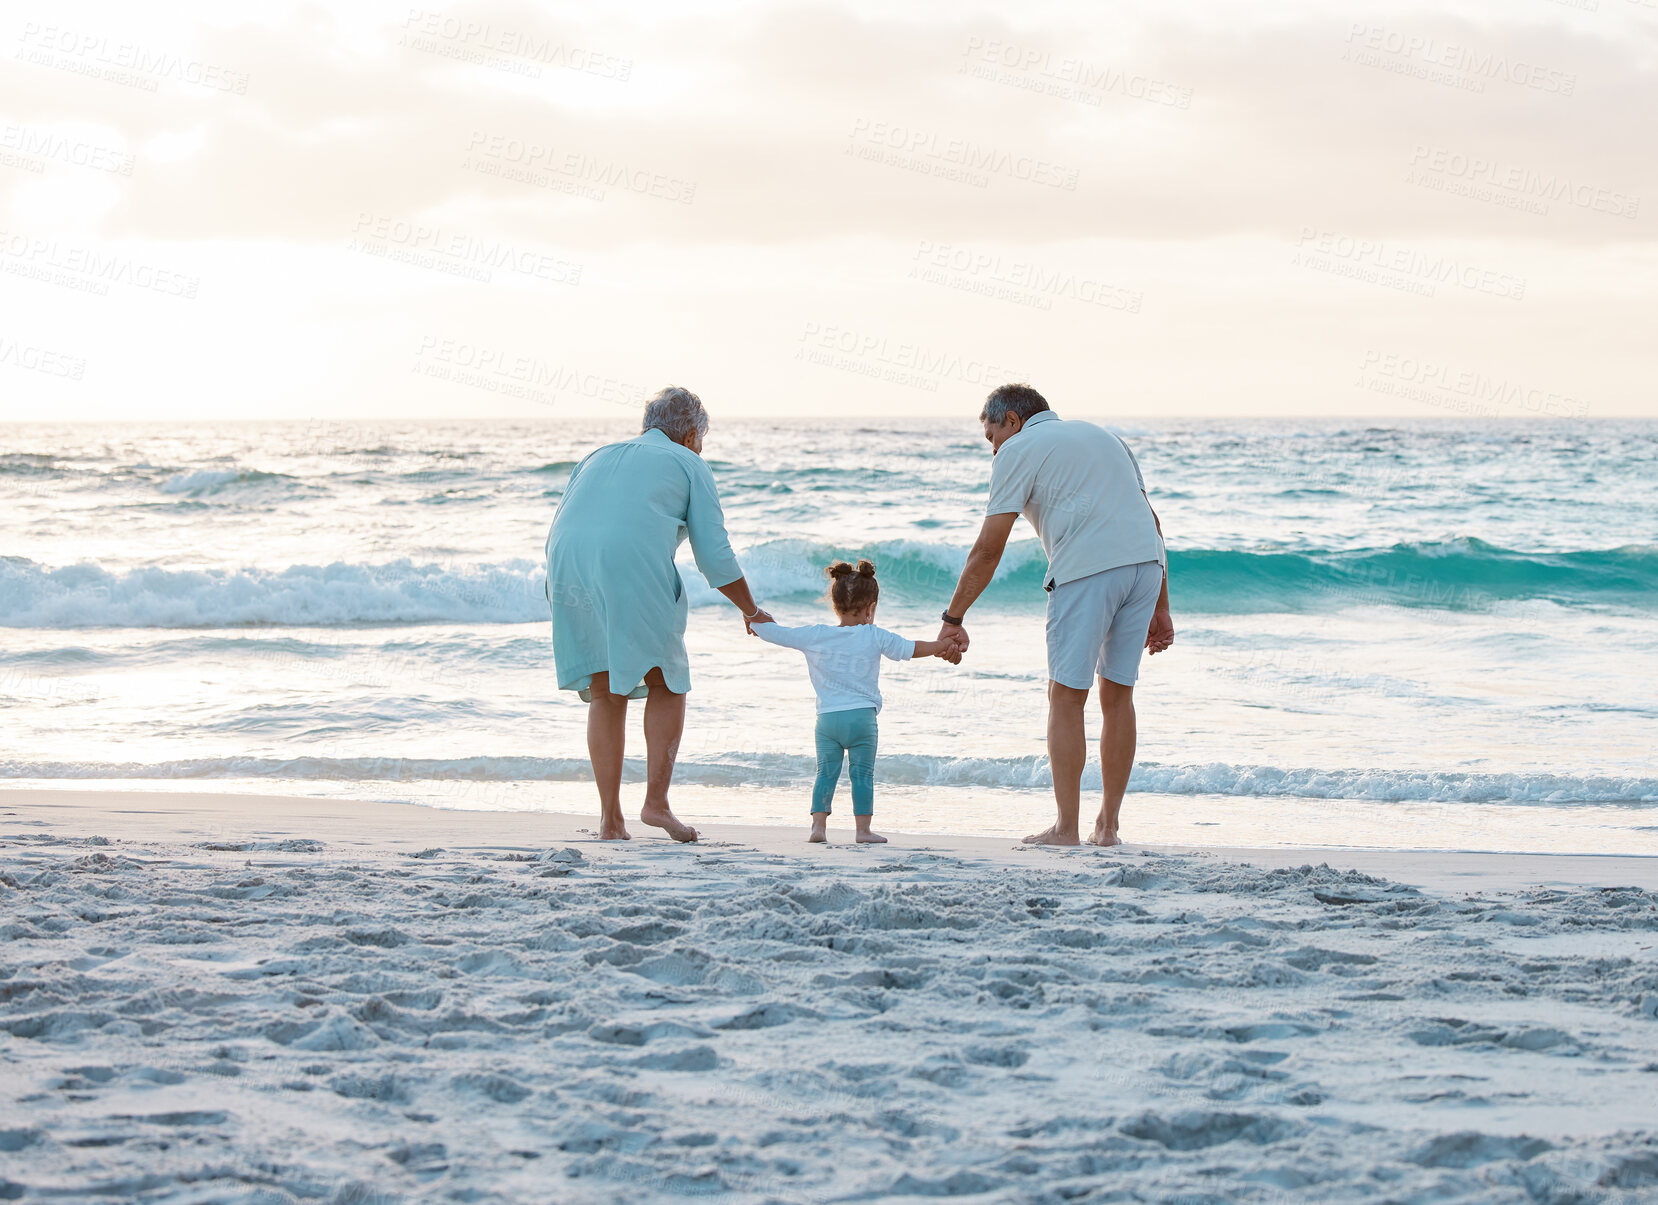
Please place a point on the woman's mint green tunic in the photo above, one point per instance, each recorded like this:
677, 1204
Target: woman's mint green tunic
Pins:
617, 600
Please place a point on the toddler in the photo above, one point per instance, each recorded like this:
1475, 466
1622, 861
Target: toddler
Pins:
844, 662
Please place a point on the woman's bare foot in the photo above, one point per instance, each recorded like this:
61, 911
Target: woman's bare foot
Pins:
1053, 836
820, 827
1104, 836
866, 837
660, 815
612, 827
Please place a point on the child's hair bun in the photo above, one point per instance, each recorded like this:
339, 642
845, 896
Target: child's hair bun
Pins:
851, 590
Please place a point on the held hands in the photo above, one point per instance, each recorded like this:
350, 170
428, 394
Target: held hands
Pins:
1160, 635
759, 616
955, 636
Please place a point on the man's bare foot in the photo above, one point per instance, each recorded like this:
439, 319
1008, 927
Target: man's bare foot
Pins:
866, 837
1104, 836
1053, 836
613, 828
660, 815
820, 829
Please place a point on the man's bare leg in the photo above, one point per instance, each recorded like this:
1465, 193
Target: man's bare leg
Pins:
1067, 753
1118, 733
664, 724
607, 726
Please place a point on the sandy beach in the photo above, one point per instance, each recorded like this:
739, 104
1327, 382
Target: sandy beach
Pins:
266, 999
1228, 429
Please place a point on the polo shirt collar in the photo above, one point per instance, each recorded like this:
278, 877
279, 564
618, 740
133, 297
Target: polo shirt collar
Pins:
1041, 416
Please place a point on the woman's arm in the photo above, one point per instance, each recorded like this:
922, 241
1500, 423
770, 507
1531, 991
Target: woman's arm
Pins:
705, 524
738, 593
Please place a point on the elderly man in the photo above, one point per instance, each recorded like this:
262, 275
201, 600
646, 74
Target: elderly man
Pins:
1107, 582
617, 600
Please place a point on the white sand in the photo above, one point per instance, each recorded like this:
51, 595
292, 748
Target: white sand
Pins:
373, 1002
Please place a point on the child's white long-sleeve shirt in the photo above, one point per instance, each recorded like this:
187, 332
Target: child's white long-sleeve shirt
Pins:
844, 662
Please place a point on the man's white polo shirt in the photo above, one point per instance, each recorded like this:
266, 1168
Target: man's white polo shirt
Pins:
1081, 488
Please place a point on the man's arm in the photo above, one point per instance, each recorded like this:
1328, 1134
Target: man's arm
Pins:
975, 576
1160, 635
934, 648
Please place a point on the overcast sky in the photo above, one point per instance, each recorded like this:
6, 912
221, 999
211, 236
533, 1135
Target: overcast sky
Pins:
1346, 209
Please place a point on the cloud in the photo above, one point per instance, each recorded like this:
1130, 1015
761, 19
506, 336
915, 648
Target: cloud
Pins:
787, 126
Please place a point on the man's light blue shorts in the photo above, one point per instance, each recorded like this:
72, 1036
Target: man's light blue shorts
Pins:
1097, 624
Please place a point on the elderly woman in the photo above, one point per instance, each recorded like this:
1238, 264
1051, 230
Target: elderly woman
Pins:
618, 603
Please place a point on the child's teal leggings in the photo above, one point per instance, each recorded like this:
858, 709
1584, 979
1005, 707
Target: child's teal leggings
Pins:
840, 733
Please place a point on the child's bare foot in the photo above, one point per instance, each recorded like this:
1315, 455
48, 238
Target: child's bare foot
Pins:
820, 829
866, 837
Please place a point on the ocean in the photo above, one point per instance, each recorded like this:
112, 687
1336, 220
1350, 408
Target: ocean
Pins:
1405, 634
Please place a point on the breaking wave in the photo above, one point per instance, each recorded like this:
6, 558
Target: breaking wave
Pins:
1460, 575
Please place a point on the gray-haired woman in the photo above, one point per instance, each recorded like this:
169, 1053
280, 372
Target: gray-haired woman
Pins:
618, 603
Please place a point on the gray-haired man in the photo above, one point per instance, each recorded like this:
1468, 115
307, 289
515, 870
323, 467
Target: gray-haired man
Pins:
1108, 588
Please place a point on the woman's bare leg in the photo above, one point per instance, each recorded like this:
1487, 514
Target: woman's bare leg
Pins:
607, 726
664, 725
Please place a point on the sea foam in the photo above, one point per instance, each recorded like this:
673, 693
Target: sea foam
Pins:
748, 769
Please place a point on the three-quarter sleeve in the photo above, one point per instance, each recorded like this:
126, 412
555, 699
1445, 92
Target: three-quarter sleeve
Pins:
893, 646
705, 524
801, 638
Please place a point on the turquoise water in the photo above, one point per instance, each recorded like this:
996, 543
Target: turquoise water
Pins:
1412, 632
